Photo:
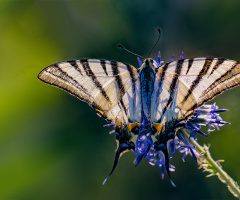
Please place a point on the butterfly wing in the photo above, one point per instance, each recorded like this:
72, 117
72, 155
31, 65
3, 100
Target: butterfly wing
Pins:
100, 83
183, 85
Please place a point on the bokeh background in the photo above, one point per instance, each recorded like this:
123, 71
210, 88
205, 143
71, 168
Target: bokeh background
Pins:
52, 146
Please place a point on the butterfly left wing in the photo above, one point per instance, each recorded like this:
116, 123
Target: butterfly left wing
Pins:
100, 83
112, 88
184, 85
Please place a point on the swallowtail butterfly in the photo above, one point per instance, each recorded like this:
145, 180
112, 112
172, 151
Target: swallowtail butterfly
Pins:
145, 103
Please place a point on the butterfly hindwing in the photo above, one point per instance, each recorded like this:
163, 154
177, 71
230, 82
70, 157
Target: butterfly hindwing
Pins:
100, 83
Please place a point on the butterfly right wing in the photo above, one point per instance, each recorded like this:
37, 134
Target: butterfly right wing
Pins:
184, 85
100, 83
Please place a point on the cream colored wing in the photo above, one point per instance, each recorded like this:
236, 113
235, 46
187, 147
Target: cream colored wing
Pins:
183, 85
100, 83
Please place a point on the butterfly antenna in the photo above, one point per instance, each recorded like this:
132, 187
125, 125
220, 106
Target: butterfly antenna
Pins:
159, 34
119, 45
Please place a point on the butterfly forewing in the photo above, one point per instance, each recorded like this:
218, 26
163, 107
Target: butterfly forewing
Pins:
131, 102
100, 83
183, 85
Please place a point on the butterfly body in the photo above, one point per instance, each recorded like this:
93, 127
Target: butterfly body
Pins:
147, 78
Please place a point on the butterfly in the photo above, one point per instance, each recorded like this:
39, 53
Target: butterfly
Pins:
146, 105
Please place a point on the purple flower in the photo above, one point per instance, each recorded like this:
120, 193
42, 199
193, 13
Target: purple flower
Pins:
144, 143
184, 146
207, 115
139, 61
159, 160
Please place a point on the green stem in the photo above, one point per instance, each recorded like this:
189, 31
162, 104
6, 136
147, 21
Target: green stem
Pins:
207, 162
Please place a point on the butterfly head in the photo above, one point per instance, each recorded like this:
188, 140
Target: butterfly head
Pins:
149, 63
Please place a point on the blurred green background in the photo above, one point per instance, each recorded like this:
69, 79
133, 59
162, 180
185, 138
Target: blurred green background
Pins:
52, 146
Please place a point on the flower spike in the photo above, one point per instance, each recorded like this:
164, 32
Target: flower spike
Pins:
139, 61
181, 57
159, 58
172, 58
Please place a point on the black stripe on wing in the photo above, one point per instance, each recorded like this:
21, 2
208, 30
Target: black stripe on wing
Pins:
75, 65
178, 70
190, 62
162, 75
218, 63
133, 80
119, 82
103, 64
205, 68
90, 73
161, 79
118, 78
